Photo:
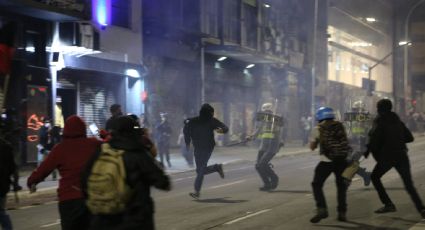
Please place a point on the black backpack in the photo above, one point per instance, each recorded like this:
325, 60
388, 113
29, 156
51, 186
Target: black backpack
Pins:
333, 140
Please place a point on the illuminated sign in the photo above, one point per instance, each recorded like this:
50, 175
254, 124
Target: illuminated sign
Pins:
101, 11
33, 123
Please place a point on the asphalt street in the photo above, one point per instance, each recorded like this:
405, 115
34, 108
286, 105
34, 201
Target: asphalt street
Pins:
236, 203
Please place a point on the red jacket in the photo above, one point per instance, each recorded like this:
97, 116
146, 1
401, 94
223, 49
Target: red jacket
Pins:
69, 157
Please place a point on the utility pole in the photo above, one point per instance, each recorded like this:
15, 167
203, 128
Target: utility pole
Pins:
313, 61
406, 53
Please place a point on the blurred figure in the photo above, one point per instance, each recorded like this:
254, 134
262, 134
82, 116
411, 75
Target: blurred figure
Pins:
8, 167
143, 120
69, 157
163, 135
116, 112
200, 131
269, 131
186, 153
142, 172
47, 137
387, 142
306, 127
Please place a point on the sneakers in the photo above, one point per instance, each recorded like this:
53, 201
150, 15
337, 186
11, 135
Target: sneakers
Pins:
220, 170
342, 217
321, 214
367, 179
386, 208
195, 195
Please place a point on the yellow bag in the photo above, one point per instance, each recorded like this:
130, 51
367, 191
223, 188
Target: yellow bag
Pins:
108, 192
351, 170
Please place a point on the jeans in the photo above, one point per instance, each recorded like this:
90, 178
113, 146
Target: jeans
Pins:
202, 155
5, 221
321, 173
402, 166
164, 149
74, 215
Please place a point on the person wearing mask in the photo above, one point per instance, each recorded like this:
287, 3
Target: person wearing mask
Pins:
387, 143
200, 131
163, 135
69, 157
330, 135
142, 172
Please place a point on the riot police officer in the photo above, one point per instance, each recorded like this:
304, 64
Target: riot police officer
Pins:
269, 131
358, 122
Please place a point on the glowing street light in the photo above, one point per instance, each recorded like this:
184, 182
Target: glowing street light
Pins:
250, 66
222, 58
370, 19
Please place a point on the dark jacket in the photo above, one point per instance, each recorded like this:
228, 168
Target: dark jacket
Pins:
200, 130
388, 137
69, 157
163, 133
7, 166
142, 172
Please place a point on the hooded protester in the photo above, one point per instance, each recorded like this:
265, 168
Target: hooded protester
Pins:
142, 172
200, 131
69, 157
387, 142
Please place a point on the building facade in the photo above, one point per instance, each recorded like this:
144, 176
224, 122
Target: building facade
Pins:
69, 60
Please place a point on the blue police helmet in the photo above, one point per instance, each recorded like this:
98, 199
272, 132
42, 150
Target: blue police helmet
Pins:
324, 113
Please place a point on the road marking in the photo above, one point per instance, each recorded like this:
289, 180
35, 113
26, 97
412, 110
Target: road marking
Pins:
418, 226
184, 178
247, 216
58, 221
228, 184
356, 179
237, 169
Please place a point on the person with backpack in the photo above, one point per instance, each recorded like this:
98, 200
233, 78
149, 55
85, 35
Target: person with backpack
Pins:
200, 131
117, 181
7, 169
69, 157
387, 142
330, 135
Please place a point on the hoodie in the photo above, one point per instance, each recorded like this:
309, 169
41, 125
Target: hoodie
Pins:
69, 157
200, 129
388, 137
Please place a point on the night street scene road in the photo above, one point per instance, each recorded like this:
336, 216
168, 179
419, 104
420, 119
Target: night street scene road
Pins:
212, 114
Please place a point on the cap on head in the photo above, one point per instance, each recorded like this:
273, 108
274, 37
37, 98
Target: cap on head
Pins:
266, 106
325, 113
384, 106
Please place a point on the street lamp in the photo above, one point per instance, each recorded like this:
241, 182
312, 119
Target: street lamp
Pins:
406, 51
370, 68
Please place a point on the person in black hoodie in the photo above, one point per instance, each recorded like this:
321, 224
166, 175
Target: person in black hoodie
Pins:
142, 172
200, 130
387, 142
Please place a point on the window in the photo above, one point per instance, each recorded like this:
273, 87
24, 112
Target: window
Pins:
121, 13
231, 20
210, 17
